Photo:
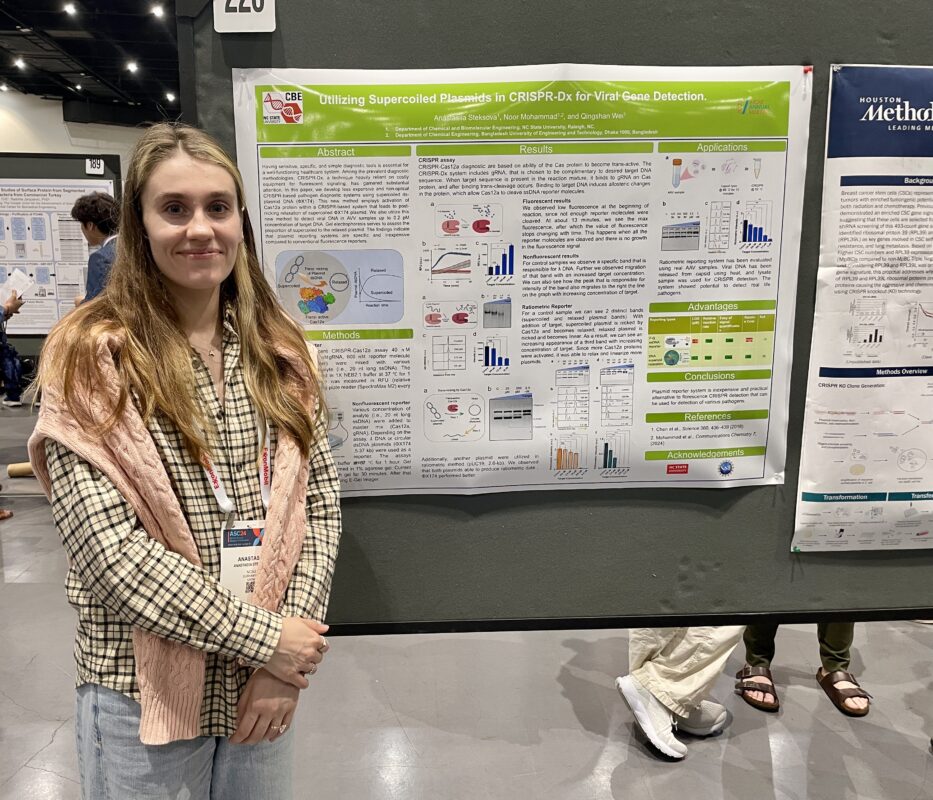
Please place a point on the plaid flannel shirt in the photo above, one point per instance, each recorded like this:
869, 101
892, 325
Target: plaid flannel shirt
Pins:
119, 578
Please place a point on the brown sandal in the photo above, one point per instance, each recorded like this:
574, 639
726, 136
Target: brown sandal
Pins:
744, 684
839, 696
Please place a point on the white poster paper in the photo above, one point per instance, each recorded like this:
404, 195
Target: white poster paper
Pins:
537, 277
866, 472
42, 248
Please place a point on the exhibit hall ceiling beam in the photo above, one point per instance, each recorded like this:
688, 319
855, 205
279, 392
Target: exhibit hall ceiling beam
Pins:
52, 44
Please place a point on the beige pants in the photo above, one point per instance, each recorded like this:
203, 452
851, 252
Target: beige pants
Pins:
680, 665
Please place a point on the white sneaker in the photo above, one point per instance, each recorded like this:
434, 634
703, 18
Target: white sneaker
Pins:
706, 720
12, 403
652, 717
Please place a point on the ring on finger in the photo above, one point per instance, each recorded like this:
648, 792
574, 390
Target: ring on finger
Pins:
279, 729
312, 669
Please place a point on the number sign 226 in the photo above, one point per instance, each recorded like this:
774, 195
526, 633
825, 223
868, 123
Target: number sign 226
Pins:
244, 16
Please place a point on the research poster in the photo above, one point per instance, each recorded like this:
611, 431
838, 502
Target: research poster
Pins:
866, 472
537, 277
43, 254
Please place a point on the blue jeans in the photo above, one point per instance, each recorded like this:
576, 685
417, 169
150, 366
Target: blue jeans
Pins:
115, 765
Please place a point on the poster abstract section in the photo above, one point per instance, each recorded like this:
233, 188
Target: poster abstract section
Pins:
43, 254
537, 277
866, 472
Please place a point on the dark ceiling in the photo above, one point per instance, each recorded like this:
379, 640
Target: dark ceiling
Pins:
82, 57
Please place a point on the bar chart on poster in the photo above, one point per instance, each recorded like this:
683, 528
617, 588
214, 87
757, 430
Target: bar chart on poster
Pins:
756, 223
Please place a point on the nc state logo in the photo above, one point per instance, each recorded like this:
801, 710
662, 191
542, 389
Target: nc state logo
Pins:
280, 108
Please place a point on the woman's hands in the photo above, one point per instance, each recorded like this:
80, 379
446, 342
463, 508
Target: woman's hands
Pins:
300, 649
266, 708
270, 697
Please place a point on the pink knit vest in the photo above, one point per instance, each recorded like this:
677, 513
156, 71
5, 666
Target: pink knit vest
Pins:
171, 675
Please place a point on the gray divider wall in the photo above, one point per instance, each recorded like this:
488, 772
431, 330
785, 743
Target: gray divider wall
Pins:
612, 556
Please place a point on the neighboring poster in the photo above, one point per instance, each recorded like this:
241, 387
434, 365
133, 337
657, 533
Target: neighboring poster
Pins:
43, 254
866, 472
559, 276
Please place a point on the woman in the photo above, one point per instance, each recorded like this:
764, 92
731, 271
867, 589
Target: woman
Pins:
181, 416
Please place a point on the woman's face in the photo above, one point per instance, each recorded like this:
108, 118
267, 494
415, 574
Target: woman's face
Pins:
193, 222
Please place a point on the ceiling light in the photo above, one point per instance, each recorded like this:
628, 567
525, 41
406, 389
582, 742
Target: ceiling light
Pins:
4, 87
170, 97
131, 66
70, 9
20, 63
158, 11
78, 86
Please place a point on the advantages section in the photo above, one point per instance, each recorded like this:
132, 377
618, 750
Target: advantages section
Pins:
709, 380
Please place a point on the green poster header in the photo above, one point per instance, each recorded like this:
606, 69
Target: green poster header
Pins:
537, 149
706, 416
523, 110
687, 455
349, 151
721, 147
712, 305
702, 377
358, 334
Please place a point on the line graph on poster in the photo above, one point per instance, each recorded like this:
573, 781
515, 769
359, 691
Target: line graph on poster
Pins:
920, 323
456, 261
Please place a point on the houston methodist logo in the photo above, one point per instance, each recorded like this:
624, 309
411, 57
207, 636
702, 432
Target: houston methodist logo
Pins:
896, 110
282, 108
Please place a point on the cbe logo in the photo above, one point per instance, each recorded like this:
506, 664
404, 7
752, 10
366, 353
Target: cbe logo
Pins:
282, 108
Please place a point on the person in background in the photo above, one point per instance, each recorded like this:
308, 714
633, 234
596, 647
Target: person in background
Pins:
97, 212
756, 686
182, 442
671, 673
11, 363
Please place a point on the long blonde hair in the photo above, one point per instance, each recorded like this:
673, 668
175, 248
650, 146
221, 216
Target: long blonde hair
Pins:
154, 362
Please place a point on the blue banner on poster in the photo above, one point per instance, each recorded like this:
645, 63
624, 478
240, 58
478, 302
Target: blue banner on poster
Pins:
881, 111
886, 180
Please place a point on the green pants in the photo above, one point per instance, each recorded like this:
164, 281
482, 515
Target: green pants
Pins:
835, 640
